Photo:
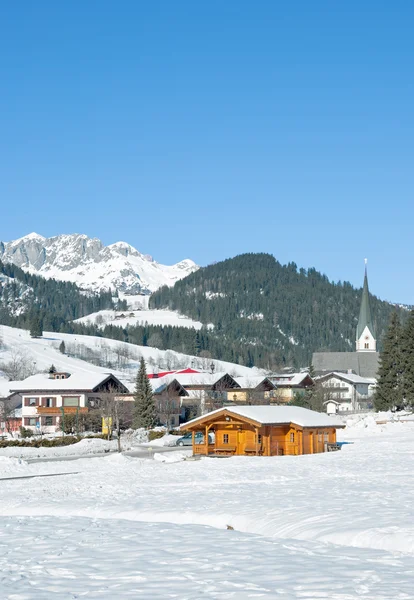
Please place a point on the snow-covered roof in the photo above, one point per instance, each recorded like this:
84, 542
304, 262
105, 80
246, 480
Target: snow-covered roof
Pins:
82, 381
251, 382
275, 415
351, 377
5, 388
290, 379
187, 379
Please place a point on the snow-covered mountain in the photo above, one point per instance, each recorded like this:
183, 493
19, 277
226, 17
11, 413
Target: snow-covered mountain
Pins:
91, 265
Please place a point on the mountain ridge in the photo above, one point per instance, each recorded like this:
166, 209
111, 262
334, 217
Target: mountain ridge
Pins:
92, 265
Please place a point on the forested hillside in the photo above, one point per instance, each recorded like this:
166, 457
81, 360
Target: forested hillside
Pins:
268, 314
25, 298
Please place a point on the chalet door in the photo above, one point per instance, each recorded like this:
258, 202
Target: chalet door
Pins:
241, 441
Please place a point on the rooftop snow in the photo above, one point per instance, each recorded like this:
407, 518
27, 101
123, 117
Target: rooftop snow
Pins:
76, 381
272, 415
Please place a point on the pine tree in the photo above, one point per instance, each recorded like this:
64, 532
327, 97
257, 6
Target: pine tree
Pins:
389, 390
145, 414
62, 347
36, 328
407, 361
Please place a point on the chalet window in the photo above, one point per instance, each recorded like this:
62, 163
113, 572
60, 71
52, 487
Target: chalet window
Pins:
292, 437
259, 438
30, 421
49, 402
225, 438
366, 346
325, 437
70, 401
319, 437
48, 421
32, 402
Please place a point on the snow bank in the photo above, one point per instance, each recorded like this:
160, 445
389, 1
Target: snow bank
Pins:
172, 457
82, 448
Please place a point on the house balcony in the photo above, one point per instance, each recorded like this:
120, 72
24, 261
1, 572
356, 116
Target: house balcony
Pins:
57, 410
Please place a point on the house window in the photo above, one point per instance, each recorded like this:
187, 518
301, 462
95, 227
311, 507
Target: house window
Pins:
259, 438
366, 346
292, 437
325, 437
70, 401
225, 438
49, 402
31, 421
48, 421
32, 402
172, 420
319, 437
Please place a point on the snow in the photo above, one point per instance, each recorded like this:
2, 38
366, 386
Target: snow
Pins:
91, 265
40, 353
279, 414
334, 526
140, 317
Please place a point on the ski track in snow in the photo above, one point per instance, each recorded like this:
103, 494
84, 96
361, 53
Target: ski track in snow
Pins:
338, 526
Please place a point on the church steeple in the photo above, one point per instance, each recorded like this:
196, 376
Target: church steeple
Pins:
365, 341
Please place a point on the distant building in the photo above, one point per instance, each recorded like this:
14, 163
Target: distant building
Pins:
347, 392
47, 397
362, 362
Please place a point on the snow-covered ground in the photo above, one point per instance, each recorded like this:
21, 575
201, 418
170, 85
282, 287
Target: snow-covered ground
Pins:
40, 353
140, 317
336, 526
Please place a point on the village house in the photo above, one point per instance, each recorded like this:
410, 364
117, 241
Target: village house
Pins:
263, 430
46, 398
347, 392
254, 389
290, 385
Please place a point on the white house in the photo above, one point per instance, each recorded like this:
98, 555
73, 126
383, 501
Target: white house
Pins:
347, 392
47, 397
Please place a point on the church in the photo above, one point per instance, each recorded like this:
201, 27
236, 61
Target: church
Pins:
364, 361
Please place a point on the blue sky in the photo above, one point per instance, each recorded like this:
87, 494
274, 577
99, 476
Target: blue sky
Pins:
208, 129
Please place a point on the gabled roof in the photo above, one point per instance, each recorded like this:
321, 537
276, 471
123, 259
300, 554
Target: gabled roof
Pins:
350, 377
365, 318
82, 381
160, 385
211, 380
291, 379
251, 383
272, 415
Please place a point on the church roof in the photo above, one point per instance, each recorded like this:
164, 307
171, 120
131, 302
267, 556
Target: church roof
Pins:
365, 318
364, 364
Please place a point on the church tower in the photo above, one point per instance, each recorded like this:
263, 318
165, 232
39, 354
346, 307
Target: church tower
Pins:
365, 341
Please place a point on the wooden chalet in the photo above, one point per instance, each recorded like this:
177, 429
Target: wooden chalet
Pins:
263, 430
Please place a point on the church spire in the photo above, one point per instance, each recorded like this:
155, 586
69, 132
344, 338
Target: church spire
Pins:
365, 341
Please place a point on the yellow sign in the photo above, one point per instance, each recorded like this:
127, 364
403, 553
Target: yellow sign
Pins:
106, 424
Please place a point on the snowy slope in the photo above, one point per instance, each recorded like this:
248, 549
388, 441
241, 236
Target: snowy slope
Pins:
140, 317
89, 353
91, 265
334, 526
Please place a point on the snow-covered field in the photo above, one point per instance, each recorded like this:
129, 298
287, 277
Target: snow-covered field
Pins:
336, 526
140, 317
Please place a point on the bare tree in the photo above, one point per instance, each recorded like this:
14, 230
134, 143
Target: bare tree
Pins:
116, 412
7, 413
168, 403
19, 366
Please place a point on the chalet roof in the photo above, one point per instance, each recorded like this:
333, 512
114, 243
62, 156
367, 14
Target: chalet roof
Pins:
364, 364
81, 381
350, 377
195, 379
253, 382
159, 385
290, 379
276, 415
